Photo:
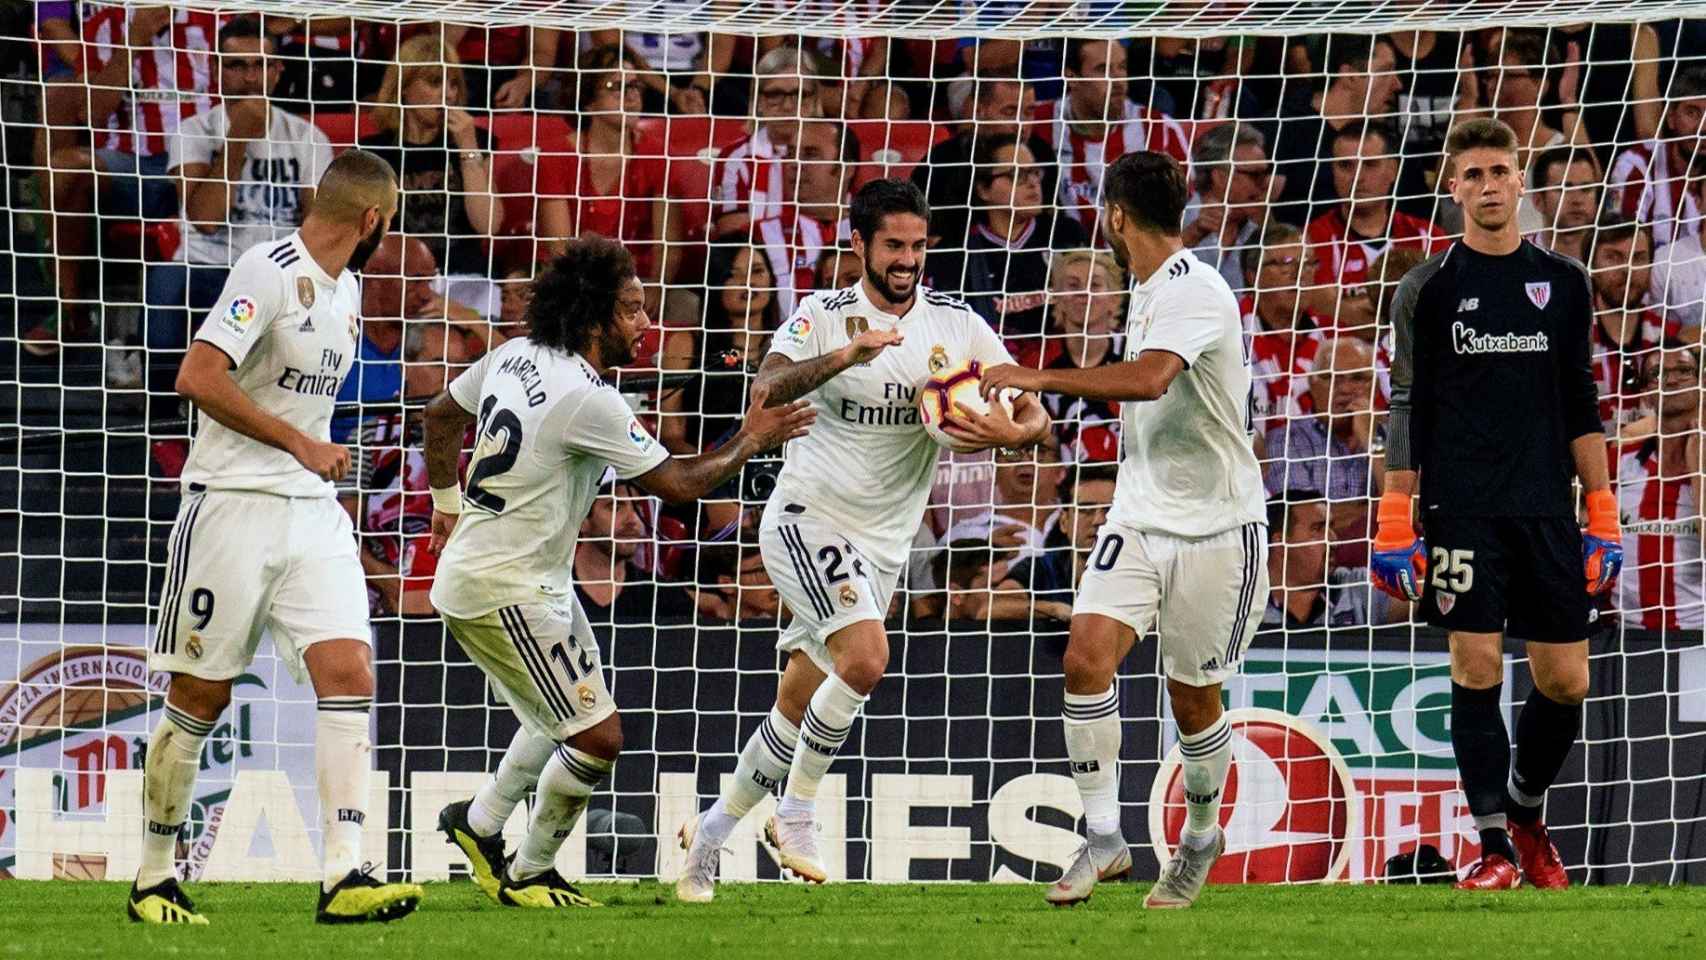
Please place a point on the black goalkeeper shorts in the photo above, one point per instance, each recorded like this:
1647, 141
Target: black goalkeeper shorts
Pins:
1521, 576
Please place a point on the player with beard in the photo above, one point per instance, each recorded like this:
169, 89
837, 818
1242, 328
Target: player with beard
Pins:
1493, 409
548, 428
261, 543
1184, 549
840, 524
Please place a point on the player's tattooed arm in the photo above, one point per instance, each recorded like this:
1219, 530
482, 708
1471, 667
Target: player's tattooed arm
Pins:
788, 380
684, 479
446, 424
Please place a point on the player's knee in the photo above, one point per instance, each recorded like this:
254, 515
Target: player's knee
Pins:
1566, 687
1086, 667
863, 669
201, 699
342, 677
603, 741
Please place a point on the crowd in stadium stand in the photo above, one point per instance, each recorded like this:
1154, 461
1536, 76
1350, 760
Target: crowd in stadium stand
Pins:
725, 164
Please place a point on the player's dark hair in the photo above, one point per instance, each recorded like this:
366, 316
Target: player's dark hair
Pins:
1612, 229
881, 198
1279, 510
1082, 473
1150, 187
1358, 129
576, 295
1564, 155
1688, 84
1478, 133
1354, 51
245, 27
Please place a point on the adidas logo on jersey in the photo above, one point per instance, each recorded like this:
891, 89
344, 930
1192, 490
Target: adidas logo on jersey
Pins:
307, 325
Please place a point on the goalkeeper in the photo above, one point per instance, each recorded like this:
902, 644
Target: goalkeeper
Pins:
1494, 407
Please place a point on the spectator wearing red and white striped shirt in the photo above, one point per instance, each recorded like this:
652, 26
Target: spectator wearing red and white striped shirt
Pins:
1658, 494
1625, 330
1096, 124
146, 69
1365, 222
1280, 329
813, 205
1648, 179
746, 185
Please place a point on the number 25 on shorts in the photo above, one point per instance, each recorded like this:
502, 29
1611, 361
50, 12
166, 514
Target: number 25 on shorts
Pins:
1453, 570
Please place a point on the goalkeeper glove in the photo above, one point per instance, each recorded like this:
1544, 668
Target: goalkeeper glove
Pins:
1602, 542
1399, 566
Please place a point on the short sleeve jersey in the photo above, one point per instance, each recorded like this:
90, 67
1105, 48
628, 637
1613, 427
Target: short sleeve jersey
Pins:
291, 332
867, 463
548, 427
1188, 468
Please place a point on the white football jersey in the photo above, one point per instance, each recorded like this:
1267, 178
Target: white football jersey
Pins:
291, 331
547, 428
867, 464
1187, 468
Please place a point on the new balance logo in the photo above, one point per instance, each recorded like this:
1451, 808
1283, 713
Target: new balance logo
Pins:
1085, 766
1468, 303
346, 815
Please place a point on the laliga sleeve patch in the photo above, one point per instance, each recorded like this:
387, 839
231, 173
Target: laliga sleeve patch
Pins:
239, 317
642, 440
796, 330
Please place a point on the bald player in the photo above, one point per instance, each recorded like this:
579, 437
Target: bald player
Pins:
260, 541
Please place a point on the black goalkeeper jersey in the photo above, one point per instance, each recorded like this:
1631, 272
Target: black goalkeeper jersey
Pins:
1491, 380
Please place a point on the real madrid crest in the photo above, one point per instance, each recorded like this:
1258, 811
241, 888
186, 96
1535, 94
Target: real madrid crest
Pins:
856, 326
938, 358
193, 646
849, 596
354, 329
588, 699
305, 292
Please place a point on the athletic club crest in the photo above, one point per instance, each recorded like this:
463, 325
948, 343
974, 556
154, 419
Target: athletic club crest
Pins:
1444, 601
1539, 293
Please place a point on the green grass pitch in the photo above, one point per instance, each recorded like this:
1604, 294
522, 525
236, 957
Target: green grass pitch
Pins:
855, 921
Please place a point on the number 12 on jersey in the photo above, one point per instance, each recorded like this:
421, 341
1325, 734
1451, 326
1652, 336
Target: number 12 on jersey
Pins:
497, 442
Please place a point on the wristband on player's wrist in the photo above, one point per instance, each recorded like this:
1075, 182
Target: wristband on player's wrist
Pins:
447, 499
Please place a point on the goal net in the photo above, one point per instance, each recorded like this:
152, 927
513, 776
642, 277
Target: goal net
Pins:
146, 148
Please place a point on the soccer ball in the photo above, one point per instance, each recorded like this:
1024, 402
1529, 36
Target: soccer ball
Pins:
939, 400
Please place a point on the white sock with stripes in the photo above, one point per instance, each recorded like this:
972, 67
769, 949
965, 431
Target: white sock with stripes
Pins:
829, 718
343, 764
517, 773
565, 786
168, 779
1092, 729
1207, 754
764, 761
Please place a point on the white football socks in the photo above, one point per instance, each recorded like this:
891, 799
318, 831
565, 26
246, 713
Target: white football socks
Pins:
343, 764
829, 718
1207, 755
517, 773
764, 762
1092, 728
168, 778
565, 786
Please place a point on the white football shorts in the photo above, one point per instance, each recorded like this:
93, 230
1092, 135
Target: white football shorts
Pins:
239, 564
542, 660
1204, 596
826, 581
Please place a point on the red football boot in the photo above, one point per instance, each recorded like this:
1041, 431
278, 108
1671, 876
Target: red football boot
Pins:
1492, 872
1541, 866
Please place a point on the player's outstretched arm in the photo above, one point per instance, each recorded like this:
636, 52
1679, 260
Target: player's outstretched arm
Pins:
785, 380
680, 479
446, 424
1146, 378
204, 379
